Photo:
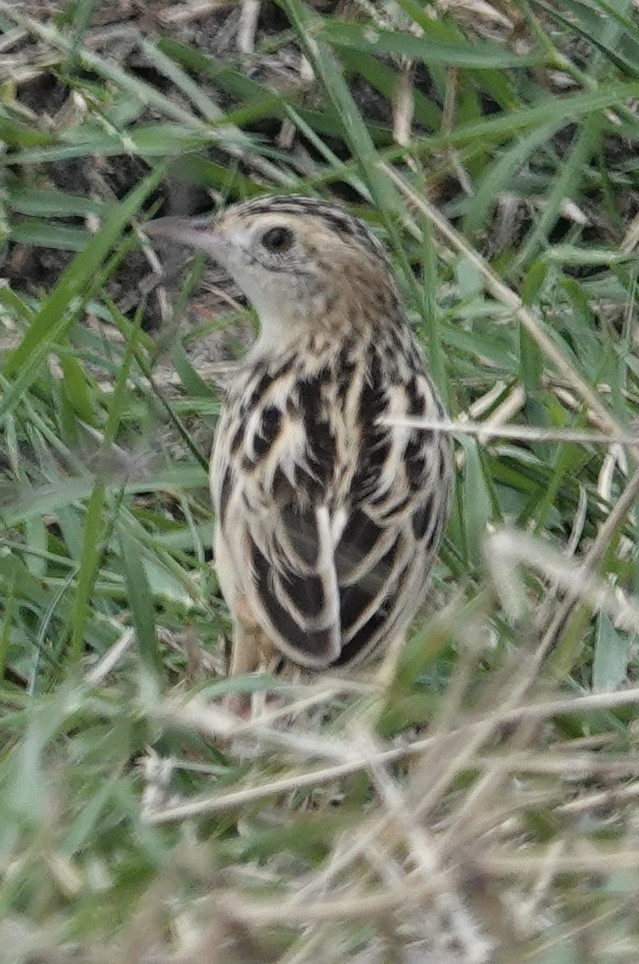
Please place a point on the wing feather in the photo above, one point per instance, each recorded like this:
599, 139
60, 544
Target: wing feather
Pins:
297, 606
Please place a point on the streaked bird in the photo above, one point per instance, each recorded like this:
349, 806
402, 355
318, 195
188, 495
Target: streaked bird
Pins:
327, 518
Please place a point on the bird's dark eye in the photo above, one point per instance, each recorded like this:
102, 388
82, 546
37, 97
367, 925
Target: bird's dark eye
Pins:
277, 239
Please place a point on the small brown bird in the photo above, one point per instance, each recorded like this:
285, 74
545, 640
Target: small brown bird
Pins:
328, 519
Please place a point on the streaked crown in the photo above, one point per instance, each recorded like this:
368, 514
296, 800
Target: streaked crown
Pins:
332, 217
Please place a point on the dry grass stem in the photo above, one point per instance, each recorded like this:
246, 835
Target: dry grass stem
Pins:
506, 547
349, 905
488, 430
247, 26
98, 673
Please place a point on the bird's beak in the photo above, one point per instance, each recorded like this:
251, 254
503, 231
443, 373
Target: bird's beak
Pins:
195, 232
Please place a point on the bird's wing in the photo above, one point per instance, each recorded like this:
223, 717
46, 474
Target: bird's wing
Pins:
269, 477
382, 563
293, 589
329, 579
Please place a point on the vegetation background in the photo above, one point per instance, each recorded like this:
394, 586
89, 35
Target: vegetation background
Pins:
482, 806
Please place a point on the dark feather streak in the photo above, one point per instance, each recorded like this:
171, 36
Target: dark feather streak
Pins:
376, 438
225, 493
356, 598
301, 530
269, 429
363, 635
421, 518
317, 643
358, 539
306, 593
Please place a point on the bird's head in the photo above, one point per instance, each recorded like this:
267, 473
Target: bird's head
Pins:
299, 261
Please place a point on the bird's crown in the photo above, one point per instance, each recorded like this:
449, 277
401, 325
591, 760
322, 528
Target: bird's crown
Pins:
331, 217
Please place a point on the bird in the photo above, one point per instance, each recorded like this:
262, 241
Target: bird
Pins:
329, 504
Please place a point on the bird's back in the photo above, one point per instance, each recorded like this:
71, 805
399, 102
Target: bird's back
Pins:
329, 518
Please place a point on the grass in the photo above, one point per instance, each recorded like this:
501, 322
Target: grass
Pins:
482, 806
